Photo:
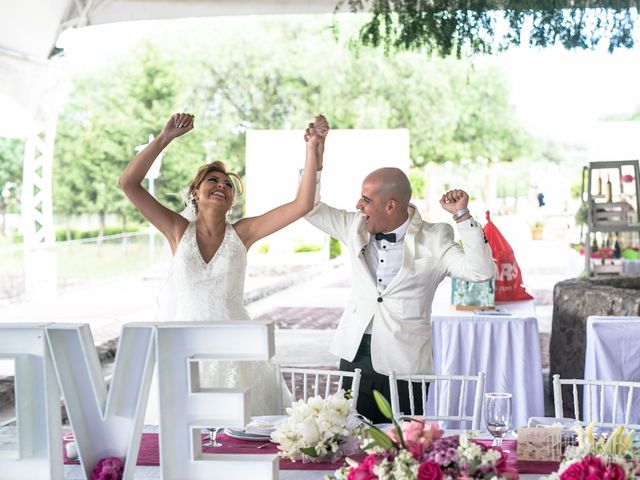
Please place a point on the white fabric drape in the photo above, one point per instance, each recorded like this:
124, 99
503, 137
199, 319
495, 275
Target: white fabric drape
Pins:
505, 347
612, 353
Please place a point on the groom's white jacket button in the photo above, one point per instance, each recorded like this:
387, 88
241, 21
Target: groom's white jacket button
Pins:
379, 299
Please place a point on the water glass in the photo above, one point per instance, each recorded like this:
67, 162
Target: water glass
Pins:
497, 415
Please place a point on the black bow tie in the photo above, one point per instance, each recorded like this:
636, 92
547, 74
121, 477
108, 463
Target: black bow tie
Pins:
389, 237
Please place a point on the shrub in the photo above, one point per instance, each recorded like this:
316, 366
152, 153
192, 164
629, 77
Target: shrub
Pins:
307, 247
335, 248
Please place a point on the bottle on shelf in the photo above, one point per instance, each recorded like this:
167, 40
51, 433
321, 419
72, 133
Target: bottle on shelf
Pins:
599, 185
609, 196
617, 250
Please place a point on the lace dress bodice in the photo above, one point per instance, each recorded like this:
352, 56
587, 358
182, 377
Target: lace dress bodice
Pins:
210, 292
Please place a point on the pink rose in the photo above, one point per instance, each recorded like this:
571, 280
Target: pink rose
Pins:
429, 471
575, 471
418, 436
593, 466
364, 470
614, 472
110, 468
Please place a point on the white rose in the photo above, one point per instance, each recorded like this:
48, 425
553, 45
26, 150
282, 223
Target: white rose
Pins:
308, 430
316, 403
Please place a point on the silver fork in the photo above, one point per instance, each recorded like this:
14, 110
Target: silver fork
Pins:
264, 445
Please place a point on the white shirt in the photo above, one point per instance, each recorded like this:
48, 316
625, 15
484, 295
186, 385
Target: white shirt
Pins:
384, 259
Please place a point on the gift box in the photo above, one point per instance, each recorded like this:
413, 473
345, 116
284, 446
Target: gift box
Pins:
473, 295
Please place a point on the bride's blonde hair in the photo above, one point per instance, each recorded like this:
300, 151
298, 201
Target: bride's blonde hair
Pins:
219, 167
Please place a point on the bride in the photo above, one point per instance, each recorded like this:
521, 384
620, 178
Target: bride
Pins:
210, 254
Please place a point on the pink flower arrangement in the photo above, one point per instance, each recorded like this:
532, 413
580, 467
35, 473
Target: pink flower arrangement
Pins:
110, 468
418, 450
592, 467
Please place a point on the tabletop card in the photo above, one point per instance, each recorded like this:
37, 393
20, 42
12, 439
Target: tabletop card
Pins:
540, 444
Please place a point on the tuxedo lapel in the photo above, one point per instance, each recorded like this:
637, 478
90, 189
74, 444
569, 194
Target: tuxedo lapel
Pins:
362, 242
409, 249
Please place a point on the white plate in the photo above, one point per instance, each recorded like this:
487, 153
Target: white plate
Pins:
242, 435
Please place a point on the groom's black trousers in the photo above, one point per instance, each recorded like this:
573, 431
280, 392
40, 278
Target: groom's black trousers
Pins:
371, 380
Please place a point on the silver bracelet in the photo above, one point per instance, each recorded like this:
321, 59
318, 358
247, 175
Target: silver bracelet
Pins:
460, 213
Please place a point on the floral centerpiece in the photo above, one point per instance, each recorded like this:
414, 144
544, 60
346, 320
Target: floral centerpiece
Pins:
611, 458
418, 450
319, 429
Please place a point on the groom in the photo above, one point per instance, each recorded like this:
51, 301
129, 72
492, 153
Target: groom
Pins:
397, 262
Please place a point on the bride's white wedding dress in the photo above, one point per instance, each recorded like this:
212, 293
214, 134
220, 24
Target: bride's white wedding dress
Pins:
213, 292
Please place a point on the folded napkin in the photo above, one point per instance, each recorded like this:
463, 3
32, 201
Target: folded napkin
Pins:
264, 425
566, 424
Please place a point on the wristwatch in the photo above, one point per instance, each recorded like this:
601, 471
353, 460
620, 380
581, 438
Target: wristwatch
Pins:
460, 213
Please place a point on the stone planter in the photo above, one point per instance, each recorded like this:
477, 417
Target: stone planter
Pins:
573, 302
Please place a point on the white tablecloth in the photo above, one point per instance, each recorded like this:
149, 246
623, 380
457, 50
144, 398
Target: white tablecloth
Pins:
612, 353
631, 267
506, 348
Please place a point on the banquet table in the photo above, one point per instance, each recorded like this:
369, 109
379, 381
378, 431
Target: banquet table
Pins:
147, 465
612, 353
505, 347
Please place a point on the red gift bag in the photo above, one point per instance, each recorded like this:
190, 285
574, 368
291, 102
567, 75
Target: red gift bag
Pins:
509, 278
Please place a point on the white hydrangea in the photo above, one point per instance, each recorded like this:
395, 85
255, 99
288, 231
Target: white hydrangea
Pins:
322, 425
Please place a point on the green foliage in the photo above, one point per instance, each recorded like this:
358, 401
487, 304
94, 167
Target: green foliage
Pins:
311, 451
76, 234
581, 215
241, 82
107, 115
418, 184
303, 247
382, 404
624, 117
11, 158
264, 248
335, 248
444, 27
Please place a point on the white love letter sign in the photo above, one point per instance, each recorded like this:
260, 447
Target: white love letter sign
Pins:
39, 448
50, 358
186, 407
104, 424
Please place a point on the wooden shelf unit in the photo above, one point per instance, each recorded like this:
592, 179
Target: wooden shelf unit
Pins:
609, 217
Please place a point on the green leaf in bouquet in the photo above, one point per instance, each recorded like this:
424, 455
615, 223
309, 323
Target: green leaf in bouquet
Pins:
383, 405
381, 438
311, 451
398, 428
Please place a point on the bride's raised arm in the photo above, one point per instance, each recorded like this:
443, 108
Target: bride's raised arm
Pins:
170, 223
252, 229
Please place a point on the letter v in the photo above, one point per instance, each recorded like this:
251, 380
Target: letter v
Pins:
104, 424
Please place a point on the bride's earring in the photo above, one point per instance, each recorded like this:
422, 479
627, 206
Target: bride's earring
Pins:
194, 203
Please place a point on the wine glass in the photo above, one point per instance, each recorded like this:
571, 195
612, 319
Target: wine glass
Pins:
497, 415
213, 433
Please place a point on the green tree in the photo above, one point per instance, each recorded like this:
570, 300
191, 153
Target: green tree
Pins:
11, 158
107, 115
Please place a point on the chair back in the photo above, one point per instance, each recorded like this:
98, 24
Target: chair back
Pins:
303, 383
450, 394
594, 392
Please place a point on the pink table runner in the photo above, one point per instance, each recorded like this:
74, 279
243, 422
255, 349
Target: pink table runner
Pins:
149, 454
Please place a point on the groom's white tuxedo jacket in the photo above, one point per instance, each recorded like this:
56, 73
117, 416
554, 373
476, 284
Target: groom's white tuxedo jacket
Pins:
401, 331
